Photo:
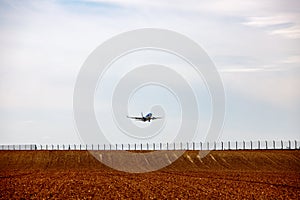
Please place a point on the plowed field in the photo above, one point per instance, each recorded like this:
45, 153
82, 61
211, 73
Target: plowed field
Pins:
266, 174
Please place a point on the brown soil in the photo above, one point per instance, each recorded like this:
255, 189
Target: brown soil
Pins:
266, 174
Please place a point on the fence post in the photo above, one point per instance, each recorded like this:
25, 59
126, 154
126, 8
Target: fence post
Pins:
281, 144
296, 144
116, 146
122, 146
201, 145
128, 146
258, 144
289, 144
236, 145
80, 147
207, 145
228, 145
180, 145
174, 145
244, 145
135, 146
222, 147
110, 147
153, 146
167, 146
187, 146
74, 146
266, 144
193, 146
274, 144
215, 145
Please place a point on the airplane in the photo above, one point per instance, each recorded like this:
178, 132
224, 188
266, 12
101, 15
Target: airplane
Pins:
148, 117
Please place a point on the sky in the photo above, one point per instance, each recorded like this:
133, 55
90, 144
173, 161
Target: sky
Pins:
253, 44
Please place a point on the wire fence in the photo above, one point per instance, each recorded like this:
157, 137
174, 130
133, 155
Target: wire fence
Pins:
229, 145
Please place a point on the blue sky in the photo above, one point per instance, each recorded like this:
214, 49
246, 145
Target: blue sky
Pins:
254, 45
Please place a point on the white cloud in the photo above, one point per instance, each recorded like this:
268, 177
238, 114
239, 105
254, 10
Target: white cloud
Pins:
266, 21
292, 60
289, 32
286, 26
240, 69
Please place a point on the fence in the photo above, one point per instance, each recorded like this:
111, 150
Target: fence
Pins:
230, 145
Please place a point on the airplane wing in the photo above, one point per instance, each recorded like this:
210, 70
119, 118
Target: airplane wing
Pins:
153, 118
136, 118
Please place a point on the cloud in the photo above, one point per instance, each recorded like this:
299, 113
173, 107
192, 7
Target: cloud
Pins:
286, 26
292, 60
289, 32
266, 21
272, 13
240, 69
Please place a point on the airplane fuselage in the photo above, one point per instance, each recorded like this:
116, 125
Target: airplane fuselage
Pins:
147, 117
